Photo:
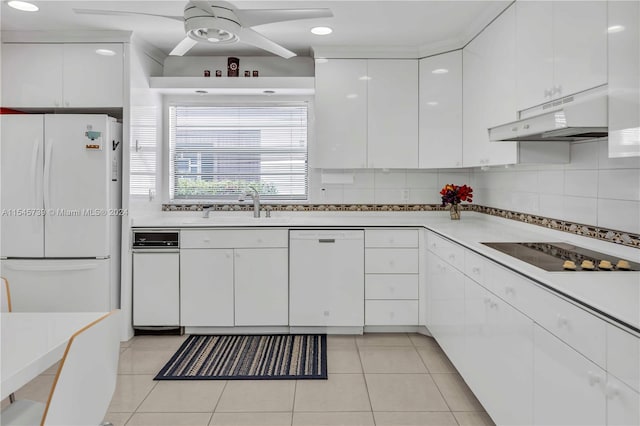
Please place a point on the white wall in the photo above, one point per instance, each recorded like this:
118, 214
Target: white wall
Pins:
592, 189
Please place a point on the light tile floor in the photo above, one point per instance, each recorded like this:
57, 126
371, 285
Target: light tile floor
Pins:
375, 379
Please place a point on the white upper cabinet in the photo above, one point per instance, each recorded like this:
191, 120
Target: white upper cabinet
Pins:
562, 49
91, 79
32, 75
366, 114
624, 78
62, 75
441, 111
392, 125
341, 114
489, 87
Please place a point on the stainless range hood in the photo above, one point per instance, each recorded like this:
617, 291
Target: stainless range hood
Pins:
579, 117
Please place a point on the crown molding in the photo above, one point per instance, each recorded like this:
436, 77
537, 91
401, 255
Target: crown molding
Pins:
66, 36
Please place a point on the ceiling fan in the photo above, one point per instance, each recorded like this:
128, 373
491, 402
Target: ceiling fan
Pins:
220, 22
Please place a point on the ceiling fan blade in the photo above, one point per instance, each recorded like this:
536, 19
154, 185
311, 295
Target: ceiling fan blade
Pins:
253, 38
253, 17
121, 13
183, 47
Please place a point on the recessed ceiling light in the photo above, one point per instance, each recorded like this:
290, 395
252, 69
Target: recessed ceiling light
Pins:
201, 92
615, 29
352, 96
321, 30
321, 60
23, 5
105, 52
432, 103
440, 71
364, 78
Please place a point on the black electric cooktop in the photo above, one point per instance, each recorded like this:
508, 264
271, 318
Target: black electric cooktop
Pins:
552, 256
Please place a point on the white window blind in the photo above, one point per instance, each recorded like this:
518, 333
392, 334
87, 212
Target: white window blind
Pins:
218, 152
143, 150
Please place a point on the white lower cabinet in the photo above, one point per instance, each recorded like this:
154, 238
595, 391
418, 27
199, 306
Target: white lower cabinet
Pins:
623, 403
445, 310
499, 367
261, 287
392, 280
206, 287
568, 389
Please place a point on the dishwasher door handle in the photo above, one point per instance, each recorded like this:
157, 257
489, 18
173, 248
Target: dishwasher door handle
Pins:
327, 240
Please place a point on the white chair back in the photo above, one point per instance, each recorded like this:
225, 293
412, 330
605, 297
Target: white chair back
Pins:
86, 378
5, 297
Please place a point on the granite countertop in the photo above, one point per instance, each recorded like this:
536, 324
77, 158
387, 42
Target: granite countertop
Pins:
613, 294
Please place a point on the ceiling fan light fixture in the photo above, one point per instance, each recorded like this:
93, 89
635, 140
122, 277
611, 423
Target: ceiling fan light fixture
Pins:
23, 6
321, 30
213, 35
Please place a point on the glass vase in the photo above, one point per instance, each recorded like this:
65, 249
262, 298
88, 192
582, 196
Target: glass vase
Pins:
454, 211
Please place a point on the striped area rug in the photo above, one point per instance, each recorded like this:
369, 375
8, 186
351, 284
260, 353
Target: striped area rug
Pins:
260, 357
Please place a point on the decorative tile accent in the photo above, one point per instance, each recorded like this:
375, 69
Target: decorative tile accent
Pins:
605, 234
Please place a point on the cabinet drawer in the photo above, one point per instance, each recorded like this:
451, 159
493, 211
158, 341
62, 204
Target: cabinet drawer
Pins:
579, 329
391, 286
475, 267
234, 238
446, 250
391, 312
391, 261
623, 353
391, 238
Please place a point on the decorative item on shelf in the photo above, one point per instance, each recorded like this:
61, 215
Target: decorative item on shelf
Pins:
207, 73
233, 67
218, 73
247, 73
453, 195
255, 73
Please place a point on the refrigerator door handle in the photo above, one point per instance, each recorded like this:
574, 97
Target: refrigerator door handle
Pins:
36, 178
47, 179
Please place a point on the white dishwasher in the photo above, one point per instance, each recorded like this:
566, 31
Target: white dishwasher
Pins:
326, 278
156, 279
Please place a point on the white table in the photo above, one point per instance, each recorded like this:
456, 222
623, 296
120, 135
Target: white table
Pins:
31, 342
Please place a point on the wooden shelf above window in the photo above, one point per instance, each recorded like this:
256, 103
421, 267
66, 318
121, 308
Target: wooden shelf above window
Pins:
234, 85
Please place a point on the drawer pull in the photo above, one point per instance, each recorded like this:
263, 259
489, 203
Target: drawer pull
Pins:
327, 240
612, 391
476, 270
594, 379
206, 240
562, 321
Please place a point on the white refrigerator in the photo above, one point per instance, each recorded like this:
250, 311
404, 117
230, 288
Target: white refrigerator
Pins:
60, 198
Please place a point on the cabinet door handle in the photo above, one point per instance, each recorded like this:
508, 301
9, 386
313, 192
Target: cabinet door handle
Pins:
327, 240
476, 270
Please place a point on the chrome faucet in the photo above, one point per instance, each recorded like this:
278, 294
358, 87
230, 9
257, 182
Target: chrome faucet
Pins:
207, 212
255, 196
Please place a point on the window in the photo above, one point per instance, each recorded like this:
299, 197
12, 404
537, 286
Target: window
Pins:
144, 127
218, 152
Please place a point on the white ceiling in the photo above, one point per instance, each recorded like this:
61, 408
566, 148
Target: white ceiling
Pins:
423, 26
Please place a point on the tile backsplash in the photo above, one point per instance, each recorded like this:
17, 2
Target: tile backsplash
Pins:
592, 189
385, 186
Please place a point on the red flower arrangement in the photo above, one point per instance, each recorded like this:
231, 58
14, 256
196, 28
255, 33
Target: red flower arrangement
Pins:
454, 194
